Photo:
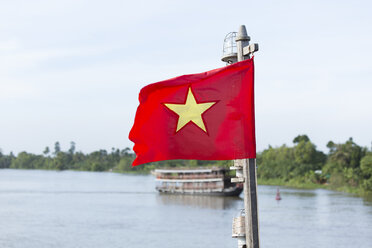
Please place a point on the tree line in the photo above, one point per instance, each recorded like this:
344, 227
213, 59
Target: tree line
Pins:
71, 159
347, 166
117, 160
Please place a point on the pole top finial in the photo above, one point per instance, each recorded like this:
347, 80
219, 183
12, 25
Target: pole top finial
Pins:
242, 34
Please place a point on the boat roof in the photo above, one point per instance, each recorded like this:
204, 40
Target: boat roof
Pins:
189, 180
189, 170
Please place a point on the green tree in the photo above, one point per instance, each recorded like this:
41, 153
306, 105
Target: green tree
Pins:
57, 148
331, 146
300, 138
5, 160
366, 168
26, 160
276, 163
125, 164
343, 163
347, 155
61, 161
72, 147
46, 151
290, 163
307, 158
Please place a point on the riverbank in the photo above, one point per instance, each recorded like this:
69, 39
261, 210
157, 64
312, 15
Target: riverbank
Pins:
296, 184
347, 167
269, 182
308, 185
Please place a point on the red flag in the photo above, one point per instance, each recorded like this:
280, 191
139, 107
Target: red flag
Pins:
205, 116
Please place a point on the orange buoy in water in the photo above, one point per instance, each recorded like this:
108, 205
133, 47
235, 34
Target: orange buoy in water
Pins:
277, 197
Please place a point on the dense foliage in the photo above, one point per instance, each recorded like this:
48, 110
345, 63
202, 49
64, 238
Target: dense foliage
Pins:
70, 160
347, 166
116, 160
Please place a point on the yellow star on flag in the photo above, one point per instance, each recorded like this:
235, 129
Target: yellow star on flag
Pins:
190, 111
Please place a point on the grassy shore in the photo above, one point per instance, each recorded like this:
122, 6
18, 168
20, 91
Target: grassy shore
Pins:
301, 185
292, 184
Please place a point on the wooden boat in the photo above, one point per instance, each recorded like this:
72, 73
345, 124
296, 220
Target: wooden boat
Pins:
212, 181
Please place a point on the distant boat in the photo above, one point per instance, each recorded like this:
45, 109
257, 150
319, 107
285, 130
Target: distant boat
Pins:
277, 197
196, 181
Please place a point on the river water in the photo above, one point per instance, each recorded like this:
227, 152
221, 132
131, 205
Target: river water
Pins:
40, 209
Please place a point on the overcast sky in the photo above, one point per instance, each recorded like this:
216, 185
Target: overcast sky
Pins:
72, 70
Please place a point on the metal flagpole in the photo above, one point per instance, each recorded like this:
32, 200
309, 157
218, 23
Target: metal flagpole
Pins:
246, 168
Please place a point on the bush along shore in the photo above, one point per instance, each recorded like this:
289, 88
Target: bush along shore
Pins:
346, 167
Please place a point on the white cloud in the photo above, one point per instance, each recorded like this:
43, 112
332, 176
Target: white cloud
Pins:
13, 90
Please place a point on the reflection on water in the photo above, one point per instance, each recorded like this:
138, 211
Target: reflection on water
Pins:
367, 200
313, 218
297, 192
211, 202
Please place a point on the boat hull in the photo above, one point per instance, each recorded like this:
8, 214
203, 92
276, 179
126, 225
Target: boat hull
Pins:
235, 191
